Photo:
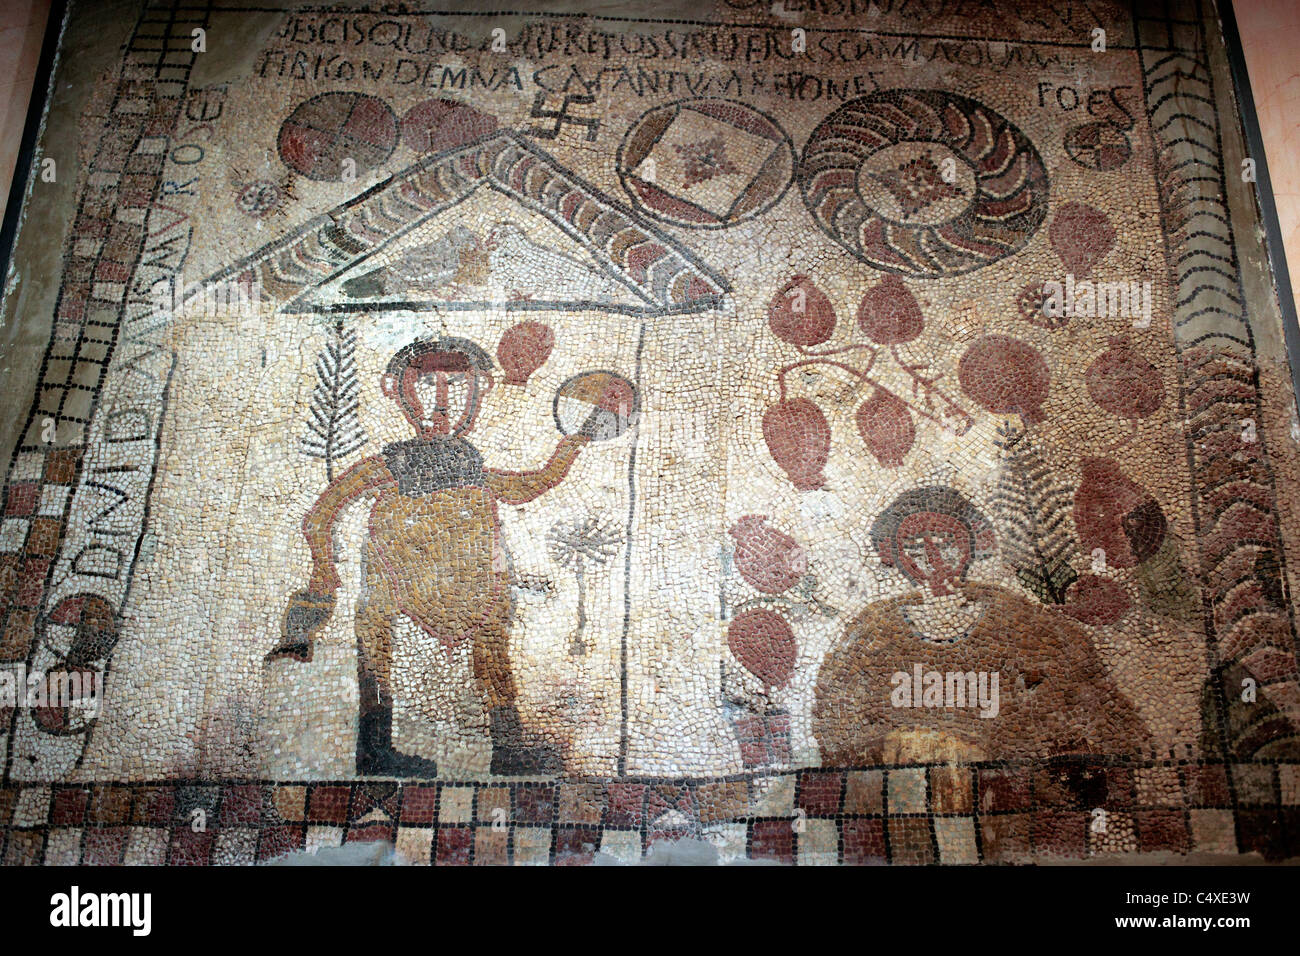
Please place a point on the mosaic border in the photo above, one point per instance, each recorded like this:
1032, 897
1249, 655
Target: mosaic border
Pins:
94, 314
951, 815
1254, 629
1250, 623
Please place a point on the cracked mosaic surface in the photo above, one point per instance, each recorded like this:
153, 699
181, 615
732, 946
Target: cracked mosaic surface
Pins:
849, 432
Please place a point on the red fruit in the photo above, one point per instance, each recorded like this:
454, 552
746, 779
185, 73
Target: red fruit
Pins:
763, 641
1113, 512
801, 314
1124, 383
1005, 376
889, 314
768, 559
1081, 235
524, 349
886, 425
1097, 601
799, 440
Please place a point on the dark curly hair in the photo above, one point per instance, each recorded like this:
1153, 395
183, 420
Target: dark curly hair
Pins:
449, 344
939, 500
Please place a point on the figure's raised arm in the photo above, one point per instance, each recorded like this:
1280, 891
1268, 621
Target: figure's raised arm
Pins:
519, 487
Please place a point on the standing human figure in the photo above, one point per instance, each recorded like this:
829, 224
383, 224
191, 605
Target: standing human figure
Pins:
433, 554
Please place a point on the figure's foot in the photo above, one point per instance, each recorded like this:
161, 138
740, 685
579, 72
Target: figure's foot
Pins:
376, 756
517, 754
524, 761
302, 622
294, 652
391, 763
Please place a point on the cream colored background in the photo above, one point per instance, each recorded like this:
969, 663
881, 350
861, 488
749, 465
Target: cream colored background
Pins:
189, 693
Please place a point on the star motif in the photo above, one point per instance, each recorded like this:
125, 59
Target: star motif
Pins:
916, 184
704, 160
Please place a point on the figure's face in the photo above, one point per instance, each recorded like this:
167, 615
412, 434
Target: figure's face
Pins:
933, 549
439, 393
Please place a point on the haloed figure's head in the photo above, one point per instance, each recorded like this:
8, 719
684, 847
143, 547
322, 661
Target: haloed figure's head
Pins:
934, 549
439, 384
932, 535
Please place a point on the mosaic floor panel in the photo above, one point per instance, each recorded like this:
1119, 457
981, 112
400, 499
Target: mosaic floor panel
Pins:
837, 431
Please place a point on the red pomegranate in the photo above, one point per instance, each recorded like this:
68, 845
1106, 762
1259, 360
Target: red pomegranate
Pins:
1123, 382
1097, 601
801, 314
885, 424
768, 559
1006, 376
799, 440
1113, 512
763, 641
524, 349
889, 314
1081, 236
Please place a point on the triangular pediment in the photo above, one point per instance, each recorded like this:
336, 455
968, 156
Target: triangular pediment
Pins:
496, 223
487, 251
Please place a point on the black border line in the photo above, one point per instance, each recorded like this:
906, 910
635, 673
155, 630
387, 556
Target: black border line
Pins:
1265, 203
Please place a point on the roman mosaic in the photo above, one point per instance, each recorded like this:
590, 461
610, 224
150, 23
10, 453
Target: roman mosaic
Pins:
833, 432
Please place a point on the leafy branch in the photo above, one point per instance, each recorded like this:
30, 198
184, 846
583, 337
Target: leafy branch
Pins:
334, 429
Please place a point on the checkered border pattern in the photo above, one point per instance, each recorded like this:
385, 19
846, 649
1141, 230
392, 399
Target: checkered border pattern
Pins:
920, 814
105, 246
910, 815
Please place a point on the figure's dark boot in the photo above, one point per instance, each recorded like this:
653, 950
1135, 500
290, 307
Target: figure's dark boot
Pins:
375, 754
515, 753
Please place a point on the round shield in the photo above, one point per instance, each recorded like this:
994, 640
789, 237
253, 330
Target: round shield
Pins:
600, 404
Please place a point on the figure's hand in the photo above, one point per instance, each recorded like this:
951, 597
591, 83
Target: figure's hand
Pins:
324, 581
304, 618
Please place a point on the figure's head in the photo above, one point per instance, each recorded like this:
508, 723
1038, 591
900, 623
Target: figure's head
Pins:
932, 535
439, 384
